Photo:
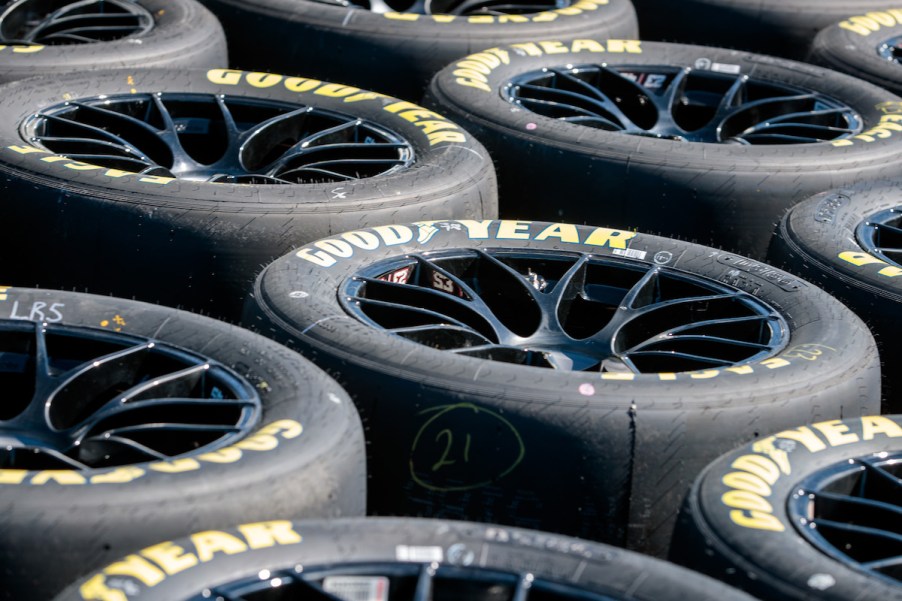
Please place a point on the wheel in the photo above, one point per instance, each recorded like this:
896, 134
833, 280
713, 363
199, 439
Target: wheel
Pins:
700, 143
808, 513
780, 27
39, 37
395, 47
569, 378
124, 423
848, 242
198, 178
400, 559
868, 46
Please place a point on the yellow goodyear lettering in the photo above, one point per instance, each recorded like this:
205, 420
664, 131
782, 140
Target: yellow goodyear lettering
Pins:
151, 566
265, 439
301, 84
211, 542
228, 77
22, 49
171, 557
888, 125
577, 46
860, 259
749, 490
753, 475
874, 424
26, 149
865, 25
401, 16
426, 120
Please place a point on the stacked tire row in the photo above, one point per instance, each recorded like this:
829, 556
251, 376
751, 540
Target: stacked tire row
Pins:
423, 358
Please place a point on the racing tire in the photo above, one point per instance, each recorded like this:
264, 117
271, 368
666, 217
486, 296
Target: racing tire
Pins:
147, 33
780, 519
466, 420
778, 27
398, 52
868, 46
178, 186
703, 144
124, 423
372, 558
836, 240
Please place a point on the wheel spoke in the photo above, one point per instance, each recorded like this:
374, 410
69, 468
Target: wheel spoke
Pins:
423, 591
679, 103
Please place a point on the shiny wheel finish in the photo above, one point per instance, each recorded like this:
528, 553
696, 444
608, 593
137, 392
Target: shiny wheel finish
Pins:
83, 399
216, 138
881, 235
566, 311
683, 104
51, 22
851, 511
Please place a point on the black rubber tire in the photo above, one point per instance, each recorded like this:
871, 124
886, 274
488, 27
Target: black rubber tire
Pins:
817, 240
79, 520
852, 45
723, 195
778, 27
754, 543
396, 56
184, 34
600, 457
195, 244
463, 554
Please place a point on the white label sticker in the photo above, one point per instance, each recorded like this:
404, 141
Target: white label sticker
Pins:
419, 554
357, 588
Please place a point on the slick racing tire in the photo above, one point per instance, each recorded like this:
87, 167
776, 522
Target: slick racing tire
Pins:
396, 50
178, 186
779, 27
848, 242
407, 559
808, 513
704, 144
545, 374
55, 38
868, 46
124, 423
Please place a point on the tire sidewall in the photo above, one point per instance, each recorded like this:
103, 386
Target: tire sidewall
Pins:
770, 556
286, 463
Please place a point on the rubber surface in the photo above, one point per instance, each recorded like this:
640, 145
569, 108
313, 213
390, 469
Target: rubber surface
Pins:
391, 52
817, 240
735, 526
779, 27
605, 456
852, 45
305, 458
722, 195
196, 244
455, 548
184, 34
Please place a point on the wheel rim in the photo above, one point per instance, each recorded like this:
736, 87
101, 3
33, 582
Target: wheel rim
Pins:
683, 104
568, 311
453, 7
79, 398
398, 581
891, 49
852, 511
881, 235
54, 22
213, 138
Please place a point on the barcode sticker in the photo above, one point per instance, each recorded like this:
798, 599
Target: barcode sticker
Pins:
629, 252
